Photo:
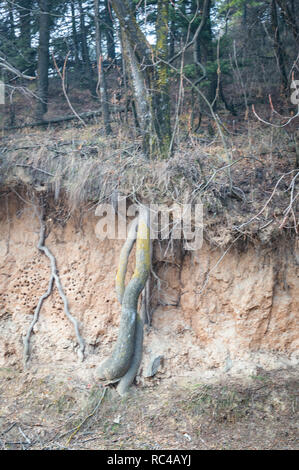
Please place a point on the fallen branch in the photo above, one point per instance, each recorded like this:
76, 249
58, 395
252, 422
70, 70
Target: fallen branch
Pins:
7, 66
86, 418
88, 114
24, 165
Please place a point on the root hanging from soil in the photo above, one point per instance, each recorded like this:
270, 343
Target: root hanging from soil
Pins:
35, 319
127, 353
54, 277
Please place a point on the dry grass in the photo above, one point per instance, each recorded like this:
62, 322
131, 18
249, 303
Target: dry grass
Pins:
260, 413
82, 168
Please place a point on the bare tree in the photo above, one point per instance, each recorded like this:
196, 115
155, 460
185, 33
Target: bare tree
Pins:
43, 58
102, 84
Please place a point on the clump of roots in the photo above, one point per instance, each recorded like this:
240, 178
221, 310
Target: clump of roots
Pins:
126, 356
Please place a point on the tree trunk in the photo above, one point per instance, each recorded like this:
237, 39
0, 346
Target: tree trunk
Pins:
196, 47
101, 73
244, 14
172, 31
12, 34
289, 16
142, 97
145, 80
162, 99
84, 50
209, 48
109, 31
75, 36
135, 36
126, 356
126, 82
203, 49
280, 53
43, 58
25, 36
229, 106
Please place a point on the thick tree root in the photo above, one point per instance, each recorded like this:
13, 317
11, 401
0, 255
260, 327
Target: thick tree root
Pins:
119, 363
123, 260
54, 277
127, 380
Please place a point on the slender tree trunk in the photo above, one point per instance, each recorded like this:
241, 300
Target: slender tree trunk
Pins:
85, 53
12, 34
289, 16
196, 47
244, 14
101, 72
109, 30
228, 106
138, 51
75, 35
197, 51
207, 33
203, 51
162, 99
25, 36
172, 40
278, 47
43, 58
172, 31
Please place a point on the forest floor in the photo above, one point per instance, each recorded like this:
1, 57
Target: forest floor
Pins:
40, 412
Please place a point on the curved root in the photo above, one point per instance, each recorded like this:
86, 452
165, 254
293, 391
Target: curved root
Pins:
123, 260
127, 380
35, 319
64, 299
54, 277
120, 361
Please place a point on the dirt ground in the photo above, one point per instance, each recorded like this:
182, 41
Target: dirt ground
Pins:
39, 411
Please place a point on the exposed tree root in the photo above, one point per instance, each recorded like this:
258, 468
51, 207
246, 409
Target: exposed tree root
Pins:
35, 319
123, 260
54, 277
127, 380
146, 313
126, 355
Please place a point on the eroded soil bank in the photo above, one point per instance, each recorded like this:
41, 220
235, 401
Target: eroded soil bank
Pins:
218, 316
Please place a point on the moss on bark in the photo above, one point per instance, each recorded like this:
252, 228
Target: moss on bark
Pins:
120, 361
